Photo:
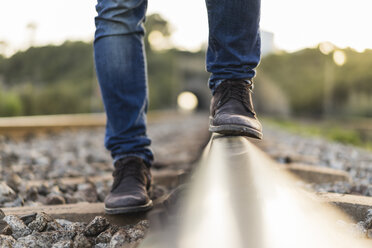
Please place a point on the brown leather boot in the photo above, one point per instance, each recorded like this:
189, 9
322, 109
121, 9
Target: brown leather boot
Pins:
231, 110
129, 193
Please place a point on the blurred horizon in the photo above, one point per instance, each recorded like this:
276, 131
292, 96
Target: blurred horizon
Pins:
320, 71
337, 80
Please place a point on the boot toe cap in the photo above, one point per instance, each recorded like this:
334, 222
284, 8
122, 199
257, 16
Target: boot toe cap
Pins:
237, 120
125, 200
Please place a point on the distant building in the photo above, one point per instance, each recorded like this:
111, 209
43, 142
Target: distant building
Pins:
267, 43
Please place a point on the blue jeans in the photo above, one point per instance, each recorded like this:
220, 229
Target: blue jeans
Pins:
233, 53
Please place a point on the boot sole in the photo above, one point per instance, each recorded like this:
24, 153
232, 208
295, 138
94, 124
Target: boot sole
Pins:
236, 130
131, 209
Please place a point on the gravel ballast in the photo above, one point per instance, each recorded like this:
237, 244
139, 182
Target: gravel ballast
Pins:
287, 147
80, 153
44, 231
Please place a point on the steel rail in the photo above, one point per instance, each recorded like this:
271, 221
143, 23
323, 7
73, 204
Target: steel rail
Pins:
23, 125
73, 120
239, 198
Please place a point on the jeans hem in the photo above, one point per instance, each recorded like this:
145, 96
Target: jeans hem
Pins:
139, 155
216, 83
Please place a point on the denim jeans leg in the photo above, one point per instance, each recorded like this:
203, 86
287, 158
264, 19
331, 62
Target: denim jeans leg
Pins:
234, 44
121, 70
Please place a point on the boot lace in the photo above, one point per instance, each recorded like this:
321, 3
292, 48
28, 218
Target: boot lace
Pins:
238, 90
128, 169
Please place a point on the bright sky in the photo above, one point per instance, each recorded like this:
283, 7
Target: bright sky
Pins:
295, 23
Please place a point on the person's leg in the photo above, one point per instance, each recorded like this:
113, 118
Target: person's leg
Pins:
232, 56
121, 71
234, 45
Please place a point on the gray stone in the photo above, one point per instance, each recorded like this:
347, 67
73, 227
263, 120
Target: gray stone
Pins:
80, 241
56, 236
70, 199
135, 234
7, 230
56, 190
9, 157
18, 202
19, 229
368, 220
7, 194
65, 224
2, 215
6, 241
32, 193
13, 181
40, 222
33, 204
43, 189
102, 191
47, 239
78, 227
105, 237
54, 199
96, 226
54, 226
369, 213
29, 241
86, 192
27, 219
63, 244
144, 224
119, 239
66, 188
101, 245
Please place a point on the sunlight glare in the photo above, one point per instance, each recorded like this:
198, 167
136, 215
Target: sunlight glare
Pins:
187, 101
339, 57
158, 41
326, 47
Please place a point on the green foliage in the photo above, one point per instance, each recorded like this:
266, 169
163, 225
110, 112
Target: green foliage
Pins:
302, 76
162, 79
2, 59
155, 22
64, 97
50, 80
61, 79
326, 129
49, 64
344, 136
10, 104
162, 69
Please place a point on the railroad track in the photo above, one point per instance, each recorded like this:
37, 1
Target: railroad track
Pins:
239, 198
233, 151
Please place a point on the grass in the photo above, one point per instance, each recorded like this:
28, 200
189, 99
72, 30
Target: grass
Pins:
329, 130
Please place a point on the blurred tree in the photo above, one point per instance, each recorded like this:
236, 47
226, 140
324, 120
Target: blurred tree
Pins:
162, 70
3, 48
156, 23
32, 28
10, 104
301, 76
49, 64
59, 79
